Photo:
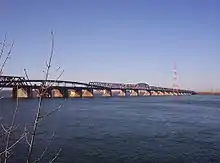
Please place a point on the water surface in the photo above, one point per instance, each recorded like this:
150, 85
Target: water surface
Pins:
131, 130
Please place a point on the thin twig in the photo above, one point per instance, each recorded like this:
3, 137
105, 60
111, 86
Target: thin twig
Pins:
6, 131
57, 69
3, 46
10, 131
45, 150
14, 144
56, 79
6, 59
53, 111
34, 130
55, 157
26, 136
26, 74
46, 87
51, 56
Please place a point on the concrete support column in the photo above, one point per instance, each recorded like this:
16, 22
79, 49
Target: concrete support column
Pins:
87, 93
150, 93
107, 93
22, 92
166, 93
56, 93
175, 93
30, 92
75, 93
146, 93
154, 93
172, 93
59, 93
65, 92
122, 93
160, 93
134, 93
14, 93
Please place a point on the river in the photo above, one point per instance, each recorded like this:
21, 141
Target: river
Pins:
180, 129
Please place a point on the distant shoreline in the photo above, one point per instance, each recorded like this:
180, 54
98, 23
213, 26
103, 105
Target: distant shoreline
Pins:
208, 93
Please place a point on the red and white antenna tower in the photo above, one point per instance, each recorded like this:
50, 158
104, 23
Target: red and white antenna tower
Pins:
175, 85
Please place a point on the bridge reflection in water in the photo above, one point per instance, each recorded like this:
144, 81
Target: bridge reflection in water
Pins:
24, 88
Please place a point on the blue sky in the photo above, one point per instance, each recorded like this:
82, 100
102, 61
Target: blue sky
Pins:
117, 40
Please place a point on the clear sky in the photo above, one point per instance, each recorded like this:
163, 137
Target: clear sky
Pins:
117, 40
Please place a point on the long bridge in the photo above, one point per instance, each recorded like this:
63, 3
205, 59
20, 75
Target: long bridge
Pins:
26, 88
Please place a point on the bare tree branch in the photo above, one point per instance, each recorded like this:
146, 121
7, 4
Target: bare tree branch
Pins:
45, 150
10, 130
26, 74
29, 137
53, 111
6, 59
56, 79
55, 157
57, 69
26, 136
34, 130
3, 46
44, 88
48, 65
13, 145
6, 131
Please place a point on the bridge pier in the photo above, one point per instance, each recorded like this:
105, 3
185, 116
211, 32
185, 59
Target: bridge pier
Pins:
87, 93
24, 92
166, 93
122, 93
107, 93
59, 93
175, 93
170, 93
147, 93
154, 93
56, 93
75, 93
65, 92
134, 93
160, 93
